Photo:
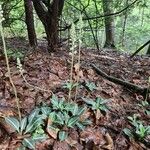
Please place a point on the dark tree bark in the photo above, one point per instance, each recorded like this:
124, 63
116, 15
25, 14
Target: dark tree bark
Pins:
49, 14
29, 19
109, 24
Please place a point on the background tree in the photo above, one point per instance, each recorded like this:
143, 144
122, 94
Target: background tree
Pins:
49, 13
109, 24
29, 19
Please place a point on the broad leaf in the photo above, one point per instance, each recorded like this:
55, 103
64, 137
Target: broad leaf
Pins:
54, 101
59, 119
23, 124
128, 132
40, 137
45, 110
80, 126
81, 111
33, 115
88, 101
62, 135
75, 110
29, 143
32, 126
13, 122
72, 121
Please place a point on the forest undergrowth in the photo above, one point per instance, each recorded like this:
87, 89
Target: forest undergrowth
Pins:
101, 114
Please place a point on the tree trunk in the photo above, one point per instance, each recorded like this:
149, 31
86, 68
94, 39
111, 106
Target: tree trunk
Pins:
29, 19
49, 15
109, 24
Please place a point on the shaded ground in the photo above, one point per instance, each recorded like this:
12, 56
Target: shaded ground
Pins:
50, 72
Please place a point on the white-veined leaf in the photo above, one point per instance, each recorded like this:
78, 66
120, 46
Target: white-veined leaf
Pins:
23, 124
33, 114
59, 119
88, 101
72, 121
13, 122
81, 111
80, 125
54, 101
75, 110
45, 110
33, 125
29, 143
40, 137
62, 135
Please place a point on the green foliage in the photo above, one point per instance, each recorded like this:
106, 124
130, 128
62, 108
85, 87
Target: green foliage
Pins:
98, 104
62, 135
138, 131
14, 54
91, 86
145, 106
70, 85
66, 115
29, 125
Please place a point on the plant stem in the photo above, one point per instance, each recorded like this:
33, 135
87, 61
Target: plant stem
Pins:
9, 72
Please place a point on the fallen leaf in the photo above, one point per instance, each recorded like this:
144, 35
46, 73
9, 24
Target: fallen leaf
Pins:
51, 132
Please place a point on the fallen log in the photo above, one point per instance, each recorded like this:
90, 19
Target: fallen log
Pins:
129, 85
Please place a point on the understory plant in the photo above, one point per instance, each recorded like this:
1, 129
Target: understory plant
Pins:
145, 106
29, 130
98, 106
138, 130
91, 86
7, 63
65, 115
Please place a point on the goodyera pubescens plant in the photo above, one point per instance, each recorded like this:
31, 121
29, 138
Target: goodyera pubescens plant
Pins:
74, 39
21, 70
7, 62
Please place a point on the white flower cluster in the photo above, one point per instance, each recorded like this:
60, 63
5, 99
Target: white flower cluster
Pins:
1, 14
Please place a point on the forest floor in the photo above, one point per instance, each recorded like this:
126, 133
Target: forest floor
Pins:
46, 73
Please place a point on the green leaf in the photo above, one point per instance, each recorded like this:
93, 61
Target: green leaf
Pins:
29, 143
81, 111
86, 122
80, 125
128, 132
40, 137
69, 106
52, 116
23, 124
54, 101
75, 109
72, 121
45, 110
88, 101
91, 86
33, 114
59, 118
33, 125
61, 104
62, 135
13, 122
66, 117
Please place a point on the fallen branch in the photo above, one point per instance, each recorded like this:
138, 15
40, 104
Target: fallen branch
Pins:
140, 48
126, 84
